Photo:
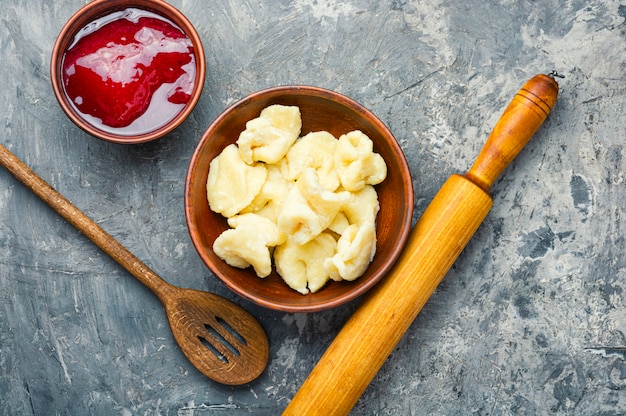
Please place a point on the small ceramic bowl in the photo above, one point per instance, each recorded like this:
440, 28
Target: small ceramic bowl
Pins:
164, 113
320, 110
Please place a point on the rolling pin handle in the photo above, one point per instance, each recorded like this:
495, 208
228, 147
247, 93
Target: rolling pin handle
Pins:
519, 122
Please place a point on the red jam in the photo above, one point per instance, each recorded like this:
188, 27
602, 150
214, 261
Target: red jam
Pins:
129, 72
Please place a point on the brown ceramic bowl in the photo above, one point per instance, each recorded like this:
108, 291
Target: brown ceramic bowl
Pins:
320, 110
155, 127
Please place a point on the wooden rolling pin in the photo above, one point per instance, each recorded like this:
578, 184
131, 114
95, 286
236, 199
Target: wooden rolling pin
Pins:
372, 332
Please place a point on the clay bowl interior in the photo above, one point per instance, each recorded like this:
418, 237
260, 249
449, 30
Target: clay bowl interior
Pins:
100, 8
320, 110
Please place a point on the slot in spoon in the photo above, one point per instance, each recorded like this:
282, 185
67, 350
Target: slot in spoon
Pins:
221, 339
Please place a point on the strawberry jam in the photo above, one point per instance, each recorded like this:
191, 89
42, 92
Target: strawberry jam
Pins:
129, 72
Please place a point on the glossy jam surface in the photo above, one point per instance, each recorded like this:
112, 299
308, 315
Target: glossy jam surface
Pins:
129, 72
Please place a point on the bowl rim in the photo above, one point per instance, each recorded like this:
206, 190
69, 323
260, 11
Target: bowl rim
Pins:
97, 9
275, 93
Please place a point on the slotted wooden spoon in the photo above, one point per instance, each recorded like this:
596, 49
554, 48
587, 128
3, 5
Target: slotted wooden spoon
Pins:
221, 339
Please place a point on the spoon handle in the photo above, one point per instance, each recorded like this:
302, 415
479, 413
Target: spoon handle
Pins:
83, 223
446, 226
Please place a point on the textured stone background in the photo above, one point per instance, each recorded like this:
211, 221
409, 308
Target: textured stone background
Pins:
531, 319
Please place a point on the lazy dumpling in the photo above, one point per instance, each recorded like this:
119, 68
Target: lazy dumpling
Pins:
269, 201
362, 207
268, 137
356, 163
315, 150
355, 250
309, 209
302, 265
248, 243
232, 184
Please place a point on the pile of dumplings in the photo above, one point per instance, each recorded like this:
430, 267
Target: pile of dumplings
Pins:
304, 205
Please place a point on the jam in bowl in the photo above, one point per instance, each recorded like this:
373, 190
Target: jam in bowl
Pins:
128, 71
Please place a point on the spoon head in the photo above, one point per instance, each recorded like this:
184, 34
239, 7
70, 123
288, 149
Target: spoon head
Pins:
221, 339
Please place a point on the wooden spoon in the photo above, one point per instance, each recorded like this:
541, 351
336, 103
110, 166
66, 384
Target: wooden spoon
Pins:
446, 226
221, 339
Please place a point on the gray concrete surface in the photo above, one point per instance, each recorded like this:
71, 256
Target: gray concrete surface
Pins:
531, 320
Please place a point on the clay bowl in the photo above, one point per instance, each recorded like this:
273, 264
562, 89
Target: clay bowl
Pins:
320, 110
153, 125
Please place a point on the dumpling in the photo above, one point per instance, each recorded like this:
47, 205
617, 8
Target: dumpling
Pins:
315, 150
355, 250
302, 265
356, 163
309, 209
269, 202
362, 207
248, 243
268, 137
232, 184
